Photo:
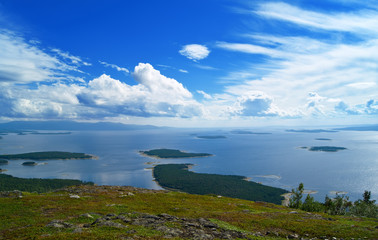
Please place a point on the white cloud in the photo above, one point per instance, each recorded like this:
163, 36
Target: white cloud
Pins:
362, 85
332, 70
205, 95
255, 104
159, 85
195, 52
183, 71
362, 22
22, 62
248, 48
119, 69
74, 59
155, 95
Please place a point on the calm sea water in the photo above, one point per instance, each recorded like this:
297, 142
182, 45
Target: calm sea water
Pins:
273, 159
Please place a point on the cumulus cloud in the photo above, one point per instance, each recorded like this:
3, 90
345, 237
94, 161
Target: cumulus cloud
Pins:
255, 104
195, 52
118, 68
155, 95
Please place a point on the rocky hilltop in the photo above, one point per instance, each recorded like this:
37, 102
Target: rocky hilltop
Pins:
114, 212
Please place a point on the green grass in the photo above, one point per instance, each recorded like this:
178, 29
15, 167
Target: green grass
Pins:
27, 217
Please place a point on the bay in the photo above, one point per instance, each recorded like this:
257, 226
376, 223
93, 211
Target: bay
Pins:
274, 159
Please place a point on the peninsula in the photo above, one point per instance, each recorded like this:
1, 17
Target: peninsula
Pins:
50, 155
178, 177
172, 153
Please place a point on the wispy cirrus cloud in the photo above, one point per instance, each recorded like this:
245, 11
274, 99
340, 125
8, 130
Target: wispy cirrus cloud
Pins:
118, 68
74, 59
25, 62
342, 70
362, 22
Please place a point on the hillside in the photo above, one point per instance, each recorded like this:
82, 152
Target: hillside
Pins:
113, 212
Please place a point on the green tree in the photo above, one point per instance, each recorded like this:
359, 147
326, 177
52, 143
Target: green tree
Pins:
365, 207
337, 206
310, 205
296, 197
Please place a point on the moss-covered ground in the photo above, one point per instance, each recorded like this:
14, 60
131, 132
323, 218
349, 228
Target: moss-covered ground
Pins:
28, 217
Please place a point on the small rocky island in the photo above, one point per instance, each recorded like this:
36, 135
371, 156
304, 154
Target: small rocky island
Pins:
50, 155
324, 148
172, 153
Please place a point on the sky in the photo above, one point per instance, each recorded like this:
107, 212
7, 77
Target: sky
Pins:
190, 63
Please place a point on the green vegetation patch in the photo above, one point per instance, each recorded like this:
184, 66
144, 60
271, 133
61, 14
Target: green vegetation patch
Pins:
172, 153
29, 163
326, 149
10, 183
46, 156
177, 176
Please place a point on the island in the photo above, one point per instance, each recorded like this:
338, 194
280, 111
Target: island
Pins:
249, 132
324, 148
323, 139
50, 155
3, 170
172, 153
212, 137
178, 177
3, 162
29, 163
311, 131
50, 133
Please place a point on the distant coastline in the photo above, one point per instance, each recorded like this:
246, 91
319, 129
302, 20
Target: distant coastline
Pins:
49, 155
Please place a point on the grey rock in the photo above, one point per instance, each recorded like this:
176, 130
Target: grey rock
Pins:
111, 224
59, 224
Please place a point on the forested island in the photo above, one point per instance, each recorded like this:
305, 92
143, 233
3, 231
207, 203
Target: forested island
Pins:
10, 183
249, 132
310, 131
211, 136
50, 155
172, 153
29, 163
3, 162
324, 148
177, 177
323, 139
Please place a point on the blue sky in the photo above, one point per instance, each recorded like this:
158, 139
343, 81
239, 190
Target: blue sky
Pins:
190, 63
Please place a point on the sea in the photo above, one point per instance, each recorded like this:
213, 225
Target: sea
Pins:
276, 158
